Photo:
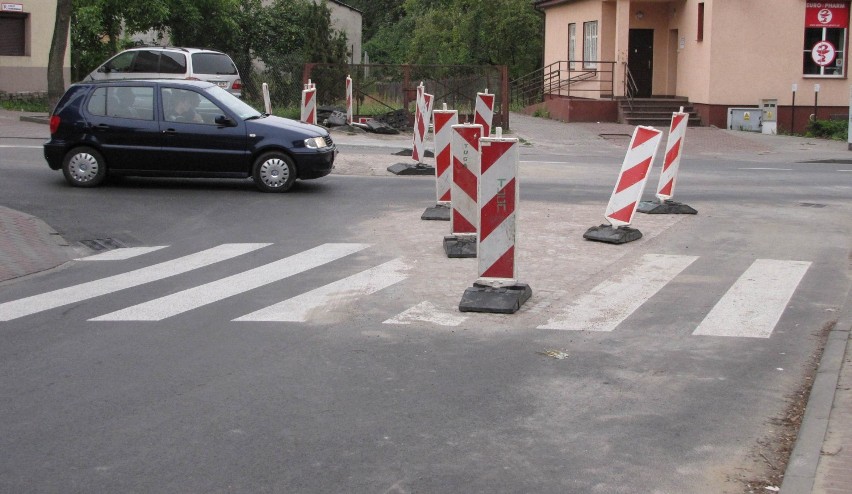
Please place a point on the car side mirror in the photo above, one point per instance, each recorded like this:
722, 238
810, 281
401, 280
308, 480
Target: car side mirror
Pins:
224, 121
103, 69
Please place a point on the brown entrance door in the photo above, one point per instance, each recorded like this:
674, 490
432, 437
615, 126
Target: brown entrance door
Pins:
640, 60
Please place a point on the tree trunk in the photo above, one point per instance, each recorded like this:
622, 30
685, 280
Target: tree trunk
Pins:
56, 60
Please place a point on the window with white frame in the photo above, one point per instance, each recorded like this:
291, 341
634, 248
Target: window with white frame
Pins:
590, 45
572, 44
826, 24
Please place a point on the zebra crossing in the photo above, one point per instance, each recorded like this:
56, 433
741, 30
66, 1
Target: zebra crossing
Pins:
751, 308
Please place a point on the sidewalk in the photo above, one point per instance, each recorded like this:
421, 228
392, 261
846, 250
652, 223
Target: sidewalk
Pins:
821, 462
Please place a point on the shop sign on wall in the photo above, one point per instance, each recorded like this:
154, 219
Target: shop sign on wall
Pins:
827, 14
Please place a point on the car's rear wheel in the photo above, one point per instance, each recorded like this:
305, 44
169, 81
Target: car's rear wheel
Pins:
274, 172
84, 167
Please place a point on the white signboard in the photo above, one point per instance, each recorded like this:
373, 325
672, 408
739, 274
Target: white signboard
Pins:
11, 7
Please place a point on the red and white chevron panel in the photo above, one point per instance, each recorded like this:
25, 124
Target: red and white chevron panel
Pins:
348, 100
422, 117
309, 104
465, 151
634, 173
674, 150
498, 202
484, 112
443, 136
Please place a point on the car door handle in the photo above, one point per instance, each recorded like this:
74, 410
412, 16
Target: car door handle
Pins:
101, 127
170, 131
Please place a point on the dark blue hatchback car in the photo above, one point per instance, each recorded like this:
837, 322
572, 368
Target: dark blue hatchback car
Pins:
179, 128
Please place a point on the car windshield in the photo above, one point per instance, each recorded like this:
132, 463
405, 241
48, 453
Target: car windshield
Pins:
231, 102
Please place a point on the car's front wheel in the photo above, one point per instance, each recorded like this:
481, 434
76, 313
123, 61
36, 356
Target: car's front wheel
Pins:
274, 172
84, 167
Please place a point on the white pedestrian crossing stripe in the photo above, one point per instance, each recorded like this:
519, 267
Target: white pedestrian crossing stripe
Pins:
299, 308
612, 301
84, 291
171, 305
121, 254
753, 306
427, 312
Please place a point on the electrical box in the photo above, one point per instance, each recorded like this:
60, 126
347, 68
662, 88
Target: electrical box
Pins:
770, 116
748, 119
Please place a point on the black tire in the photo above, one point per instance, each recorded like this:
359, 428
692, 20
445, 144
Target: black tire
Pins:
84, 167
274, 172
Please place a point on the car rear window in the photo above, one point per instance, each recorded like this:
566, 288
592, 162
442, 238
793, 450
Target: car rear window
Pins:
213, 63
172, 63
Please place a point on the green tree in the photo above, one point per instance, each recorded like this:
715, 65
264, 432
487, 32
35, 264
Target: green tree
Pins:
98, 28
56, 58
498, 32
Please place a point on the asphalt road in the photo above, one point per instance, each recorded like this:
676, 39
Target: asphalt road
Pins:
157, 387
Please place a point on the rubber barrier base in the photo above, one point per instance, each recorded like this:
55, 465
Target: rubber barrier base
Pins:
409, 169
495, 299
666, 207
439, 212
460, 245
610, 235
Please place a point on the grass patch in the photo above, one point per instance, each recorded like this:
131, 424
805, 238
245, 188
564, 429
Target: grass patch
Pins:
837, 130
38, 105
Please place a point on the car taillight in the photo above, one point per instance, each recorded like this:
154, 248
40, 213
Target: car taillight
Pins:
54, 123
238, 84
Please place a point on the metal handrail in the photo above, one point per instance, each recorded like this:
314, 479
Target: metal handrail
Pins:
558, 76
630, 87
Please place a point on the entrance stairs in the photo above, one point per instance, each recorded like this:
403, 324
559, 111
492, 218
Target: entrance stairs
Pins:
655, 112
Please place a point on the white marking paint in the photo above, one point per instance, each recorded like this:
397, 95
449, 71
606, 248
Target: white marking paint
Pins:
84, 291
611, 302
754, 304
427, 312
192, 298
327, 297
121, 254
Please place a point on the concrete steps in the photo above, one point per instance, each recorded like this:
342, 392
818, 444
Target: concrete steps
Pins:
655, 112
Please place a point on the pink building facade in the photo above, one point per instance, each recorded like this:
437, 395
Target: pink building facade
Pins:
718, 54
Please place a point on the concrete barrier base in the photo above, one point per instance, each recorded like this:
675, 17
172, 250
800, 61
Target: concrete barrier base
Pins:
608, 234
410, 169
460, 245
666, 207
439, 212
499, 299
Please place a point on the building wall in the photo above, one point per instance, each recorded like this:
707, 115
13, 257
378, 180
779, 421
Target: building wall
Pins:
28, 73
556, 29
348, 20
751, 50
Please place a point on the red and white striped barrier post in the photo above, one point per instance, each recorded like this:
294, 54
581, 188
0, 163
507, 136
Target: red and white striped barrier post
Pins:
464, 216
484, 112
422, 117
309, 103
668, 175
497, 289
442, 135
628, 189
349, 119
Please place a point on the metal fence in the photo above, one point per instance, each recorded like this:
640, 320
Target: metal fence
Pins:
388, 92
